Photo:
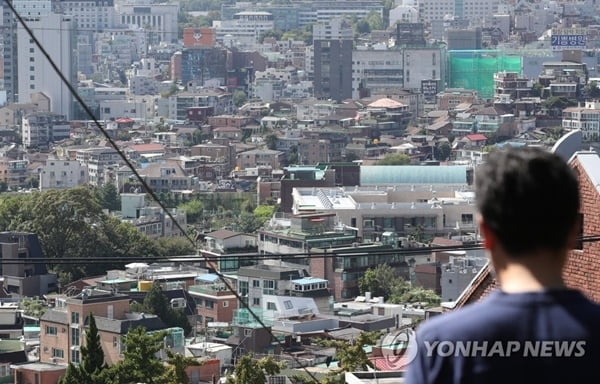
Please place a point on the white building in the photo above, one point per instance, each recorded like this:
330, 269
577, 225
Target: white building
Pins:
474, 10
437, 210
586, 118
56, 34
423, 64
40, 129
404, 14
28, 8
323, 11
60, 174
159, 20
90, 15
376, 70
245, 29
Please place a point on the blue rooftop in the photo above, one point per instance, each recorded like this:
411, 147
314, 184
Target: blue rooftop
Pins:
412, 174
308, 280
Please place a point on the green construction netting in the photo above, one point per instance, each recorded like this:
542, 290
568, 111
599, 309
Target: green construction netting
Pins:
475, 69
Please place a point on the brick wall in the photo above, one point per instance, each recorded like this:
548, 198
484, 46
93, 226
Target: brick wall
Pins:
583, 266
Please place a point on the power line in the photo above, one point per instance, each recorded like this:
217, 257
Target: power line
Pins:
324, 253
143, 182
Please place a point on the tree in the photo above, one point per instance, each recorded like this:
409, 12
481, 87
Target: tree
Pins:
194, 210
351, 356
443, 151
247, 370
374, 20
32, 306
271, 141
108, 197
394, 159
157, 303
380, 281
139, 364
591, 91
417, 295
264, 212
92, 355
537, 89
92, 360
175, 246
176, 371
239, 98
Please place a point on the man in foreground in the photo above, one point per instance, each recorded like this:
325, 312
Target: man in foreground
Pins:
534, 329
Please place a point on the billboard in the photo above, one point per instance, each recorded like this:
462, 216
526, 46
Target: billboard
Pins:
429, 88
567, 38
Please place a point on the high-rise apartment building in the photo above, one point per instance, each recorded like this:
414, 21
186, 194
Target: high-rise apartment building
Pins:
333, 42
56, 33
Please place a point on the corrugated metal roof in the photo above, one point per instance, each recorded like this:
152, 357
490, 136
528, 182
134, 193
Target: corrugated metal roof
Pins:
412, 174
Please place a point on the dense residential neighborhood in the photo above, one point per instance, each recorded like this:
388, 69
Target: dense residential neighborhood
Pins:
268, 192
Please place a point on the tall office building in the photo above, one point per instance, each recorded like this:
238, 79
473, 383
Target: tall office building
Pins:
332, 42
8, 50
56, 33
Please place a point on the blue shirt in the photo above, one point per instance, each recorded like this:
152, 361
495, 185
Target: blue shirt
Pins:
538, 337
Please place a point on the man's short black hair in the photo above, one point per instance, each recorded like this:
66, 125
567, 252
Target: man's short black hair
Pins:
529, 199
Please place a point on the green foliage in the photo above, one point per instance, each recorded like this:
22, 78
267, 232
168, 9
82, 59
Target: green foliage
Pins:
32, 306
394, 159
304, 34
442, 151
193, 209
92, 360
418, 295
157, 303
591, 91
264, 212
239, 98
175, 373
380, 281
374, 20
383, 281
175, 246
537, 90
271, 141
139, 364
248, 370
556, 104
108, 197
351, 357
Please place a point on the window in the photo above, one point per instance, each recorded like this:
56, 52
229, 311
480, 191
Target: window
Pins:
225, 304
467, 218
288, 304
74, 317
51, 330
75, 356
247, 332
59, 353
74, 336
115, 341
209, 304
256, 301
271, 306
255, 283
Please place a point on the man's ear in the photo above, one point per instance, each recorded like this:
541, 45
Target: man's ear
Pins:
489, 239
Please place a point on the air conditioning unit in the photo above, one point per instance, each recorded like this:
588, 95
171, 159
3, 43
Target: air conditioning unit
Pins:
53, 360
178, 303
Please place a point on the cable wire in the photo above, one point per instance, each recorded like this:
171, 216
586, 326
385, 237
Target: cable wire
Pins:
128, 163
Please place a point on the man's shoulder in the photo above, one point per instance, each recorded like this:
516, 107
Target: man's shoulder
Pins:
500, 312
460, 323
